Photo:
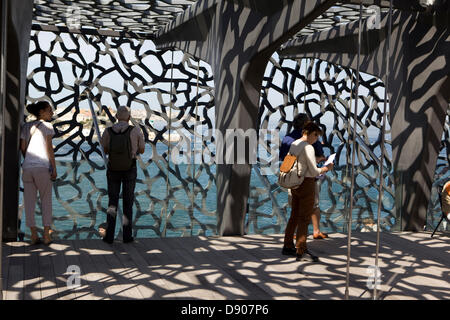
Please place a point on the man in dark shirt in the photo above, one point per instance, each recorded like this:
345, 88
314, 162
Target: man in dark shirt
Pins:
295, 134
298, 123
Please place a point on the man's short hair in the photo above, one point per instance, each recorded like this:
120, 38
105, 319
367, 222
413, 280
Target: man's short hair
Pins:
123, 113
299, 121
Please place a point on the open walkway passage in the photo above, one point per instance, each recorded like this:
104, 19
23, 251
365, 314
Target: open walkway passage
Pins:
412, 265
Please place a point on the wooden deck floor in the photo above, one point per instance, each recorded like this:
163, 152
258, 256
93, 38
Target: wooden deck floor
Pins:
413, 266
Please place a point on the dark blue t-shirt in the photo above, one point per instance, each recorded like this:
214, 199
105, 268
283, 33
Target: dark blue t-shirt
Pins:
291, 137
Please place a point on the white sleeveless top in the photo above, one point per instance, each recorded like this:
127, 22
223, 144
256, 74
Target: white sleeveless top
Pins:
36, 155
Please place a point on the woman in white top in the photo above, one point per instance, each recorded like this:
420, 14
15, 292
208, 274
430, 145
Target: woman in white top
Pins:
303, 197
38, 167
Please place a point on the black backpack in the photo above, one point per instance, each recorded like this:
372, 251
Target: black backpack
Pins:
120, 150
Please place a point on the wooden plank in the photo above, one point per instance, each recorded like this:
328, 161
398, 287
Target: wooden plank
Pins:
223, 277
48, 287
162, 263
6, 250
125, 289
249, 269
165, 263
139, 272
90, 274
60, 269
71, 256
97, 254
186, 272
202, 289
284, 274
15, 288
405, 242
148, 283
32, 286
417, 267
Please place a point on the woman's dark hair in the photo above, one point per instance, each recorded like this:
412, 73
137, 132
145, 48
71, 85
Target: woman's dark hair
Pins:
311, 127
35, 108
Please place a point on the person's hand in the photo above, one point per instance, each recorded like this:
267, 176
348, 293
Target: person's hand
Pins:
330, 166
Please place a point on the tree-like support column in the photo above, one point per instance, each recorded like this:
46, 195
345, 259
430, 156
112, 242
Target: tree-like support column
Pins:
419, 91
237, 38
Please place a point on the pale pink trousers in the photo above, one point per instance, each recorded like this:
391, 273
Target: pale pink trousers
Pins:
34, 180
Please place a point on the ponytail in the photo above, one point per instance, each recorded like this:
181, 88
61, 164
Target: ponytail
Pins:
35, 108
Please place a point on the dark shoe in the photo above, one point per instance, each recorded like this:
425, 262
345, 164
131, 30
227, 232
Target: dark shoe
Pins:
289, 251
307, 256
102, 229
107, 241
128, 240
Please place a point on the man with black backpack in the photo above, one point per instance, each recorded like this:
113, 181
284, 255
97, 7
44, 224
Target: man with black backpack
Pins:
122, 143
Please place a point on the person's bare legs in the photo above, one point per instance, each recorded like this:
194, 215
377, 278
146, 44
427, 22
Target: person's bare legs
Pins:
315, 218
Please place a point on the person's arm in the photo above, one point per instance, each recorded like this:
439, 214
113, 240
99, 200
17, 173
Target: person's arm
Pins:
23, 147
51, 155
105, 141
311, 162
23, 141
141, 142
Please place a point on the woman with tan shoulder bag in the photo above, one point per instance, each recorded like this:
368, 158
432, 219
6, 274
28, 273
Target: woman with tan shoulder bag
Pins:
303, 196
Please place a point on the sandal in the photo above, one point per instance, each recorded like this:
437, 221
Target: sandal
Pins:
320, 235
34, 238
47, 236
35, 241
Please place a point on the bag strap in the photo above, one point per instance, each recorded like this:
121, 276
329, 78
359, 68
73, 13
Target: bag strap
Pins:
302, 147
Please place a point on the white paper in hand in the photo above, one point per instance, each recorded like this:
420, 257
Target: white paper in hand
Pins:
330, 159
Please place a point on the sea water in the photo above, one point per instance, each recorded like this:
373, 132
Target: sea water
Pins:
76, 202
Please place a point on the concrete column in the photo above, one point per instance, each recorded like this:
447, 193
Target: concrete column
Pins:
419, 93
18, 29
237, 38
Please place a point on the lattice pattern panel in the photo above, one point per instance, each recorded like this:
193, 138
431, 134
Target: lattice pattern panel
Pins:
141, 16
147, 17
170, 95
328, 102
166, 100
442, 175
